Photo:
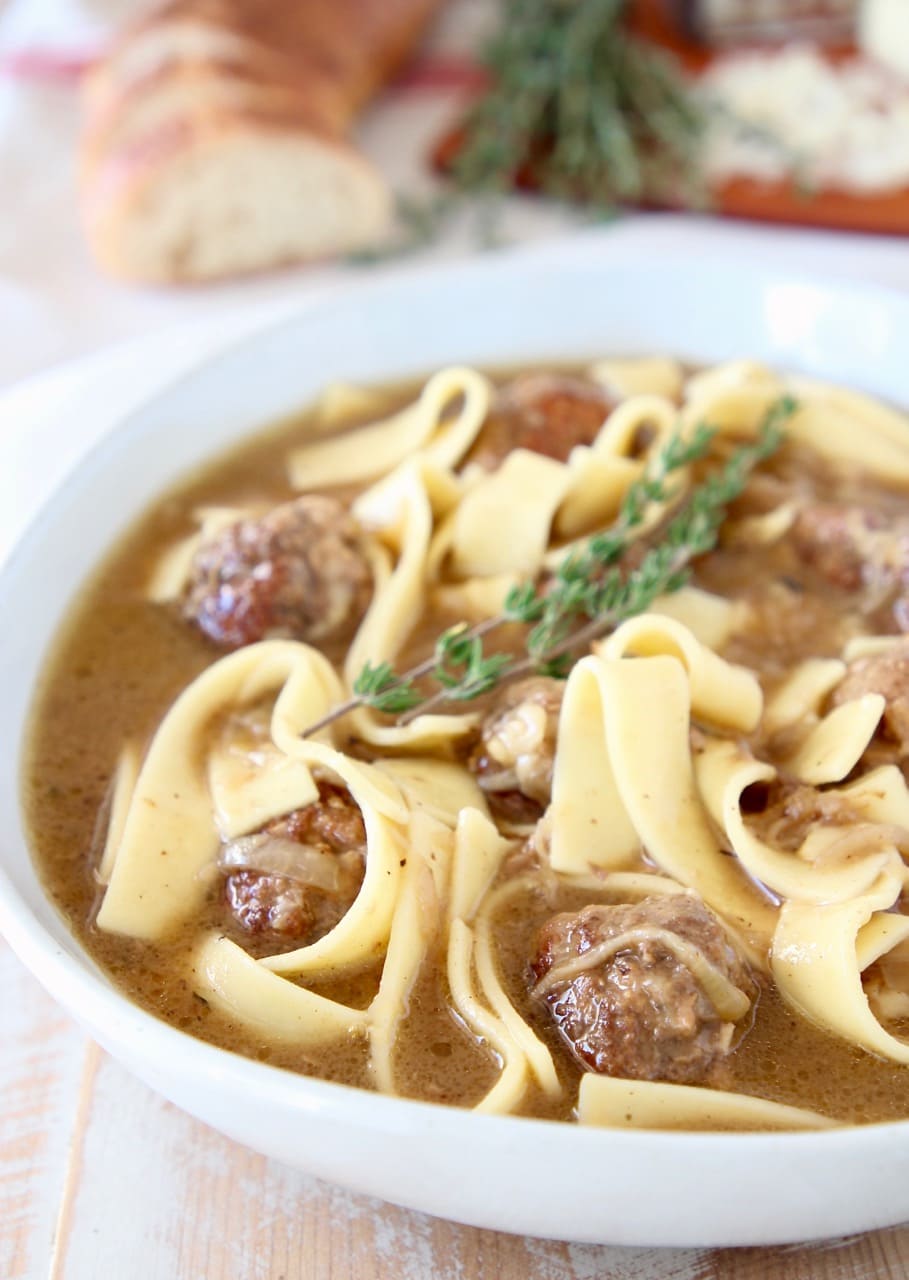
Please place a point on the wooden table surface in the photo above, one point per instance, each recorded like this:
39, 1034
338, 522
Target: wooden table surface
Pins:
100, 1179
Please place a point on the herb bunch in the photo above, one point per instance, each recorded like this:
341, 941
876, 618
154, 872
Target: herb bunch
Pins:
580, 107
590, 592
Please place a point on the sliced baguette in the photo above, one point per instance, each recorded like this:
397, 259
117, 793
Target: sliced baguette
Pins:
214, 139
201, 199
181, 89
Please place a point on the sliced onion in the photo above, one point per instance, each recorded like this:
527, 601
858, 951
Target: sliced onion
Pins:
278, 856
501, 780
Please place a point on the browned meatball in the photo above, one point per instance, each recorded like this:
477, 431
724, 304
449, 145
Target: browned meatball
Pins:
886, 673
830, 538
297, 877
784, 813
546, 413
299, 571
852, 547
514, 759
619, 983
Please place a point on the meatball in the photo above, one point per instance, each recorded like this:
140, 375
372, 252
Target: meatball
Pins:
514, 759
645, 992
851, 547
784, 813
297, 877
886, 673
299, 571
545, 413
830, 539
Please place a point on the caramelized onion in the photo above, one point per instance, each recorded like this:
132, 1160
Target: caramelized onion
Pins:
278, 856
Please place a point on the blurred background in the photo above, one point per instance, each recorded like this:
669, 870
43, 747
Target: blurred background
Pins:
165, 164
171, 174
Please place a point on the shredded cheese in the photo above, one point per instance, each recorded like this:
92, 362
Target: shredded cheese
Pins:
792, 114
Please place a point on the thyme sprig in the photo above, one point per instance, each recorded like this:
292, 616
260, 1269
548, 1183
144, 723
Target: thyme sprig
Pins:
590, 592
580, 105
577, 107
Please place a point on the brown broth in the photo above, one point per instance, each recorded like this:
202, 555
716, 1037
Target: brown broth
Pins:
120, 661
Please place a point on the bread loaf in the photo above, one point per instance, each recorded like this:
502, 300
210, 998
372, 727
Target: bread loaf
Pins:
215, 135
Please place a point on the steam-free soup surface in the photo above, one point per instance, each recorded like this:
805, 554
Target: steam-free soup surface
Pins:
121, 660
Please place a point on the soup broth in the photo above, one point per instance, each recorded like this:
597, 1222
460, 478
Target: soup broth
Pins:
827, 575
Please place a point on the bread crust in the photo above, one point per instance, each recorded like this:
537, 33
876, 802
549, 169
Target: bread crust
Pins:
185, 83
129, 196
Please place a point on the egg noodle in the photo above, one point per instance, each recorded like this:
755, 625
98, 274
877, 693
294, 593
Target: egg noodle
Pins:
633, 813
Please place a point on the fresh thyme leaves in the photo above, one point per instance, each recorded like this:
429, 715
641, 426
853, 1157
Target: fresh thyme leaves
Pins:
586, 584
380, 687
579, 107
590, 592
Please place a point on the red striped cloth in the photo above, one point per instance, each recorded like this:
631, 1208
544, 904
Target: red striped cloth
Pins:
431, 74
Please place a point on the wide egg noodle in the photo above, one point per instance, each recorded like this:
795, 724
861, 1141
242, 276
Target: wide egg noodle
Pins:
475, 599
169, 836
871, 646
538, 497
729, 375
834, 746
438, 787
588, 821
594, 490
724, 771
511, 1084
732, 410
615, 1103
539, 1059
881, 795
416, 920
844, 427
522, 496
721, 692
619, 436
817, 969
599, 475
377, 449
406, 507
852, 429
624, 886
640, 375
252, 783
361, 935
876, 416
647, 725
762, 530
473, 978
279, 1011
798, 698
123, 784
341, 403
711, 619
478, 853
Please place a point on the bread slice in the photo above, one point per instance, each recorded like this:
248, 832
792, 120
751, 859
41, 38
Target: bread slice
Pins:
197, 200
214, 140
181, 89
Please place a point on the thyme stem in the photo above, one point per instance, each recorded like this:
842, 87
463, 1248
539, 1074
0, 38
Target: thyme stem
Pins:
588, 595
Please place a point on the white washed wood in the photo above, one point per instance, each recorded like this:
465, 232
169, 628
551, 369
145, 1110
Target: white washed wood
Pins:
41, 1057
148, 1193
159, 1196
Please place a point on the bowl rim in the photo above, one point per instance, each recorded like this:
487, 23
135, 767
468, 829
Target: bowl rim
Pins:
97, 1003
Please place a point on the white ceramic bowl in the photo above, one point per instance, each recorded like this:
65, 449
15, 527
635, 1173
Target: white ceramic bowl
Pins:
516, 1175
